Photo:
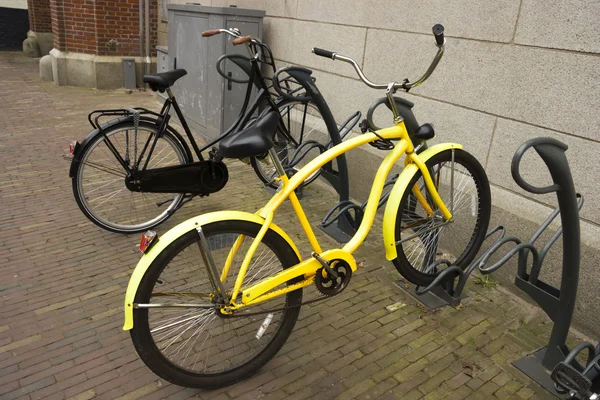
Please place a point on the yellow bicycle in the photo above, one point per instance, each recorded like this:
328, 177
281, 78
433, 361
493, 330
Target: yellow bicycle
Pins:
217, 296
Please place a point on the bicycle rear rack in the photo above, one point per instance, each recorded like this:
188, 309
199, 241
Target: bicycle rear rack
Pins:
94, 116
447, 288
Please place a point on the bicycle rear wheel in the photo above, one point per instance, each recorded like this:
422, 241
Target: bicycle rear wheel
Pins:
425, 239
303, 122
202, 348
99, 182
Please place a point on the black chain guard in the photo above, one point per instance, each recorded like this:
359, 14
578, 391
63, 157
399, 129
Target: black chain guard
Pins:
331, 286
199, 178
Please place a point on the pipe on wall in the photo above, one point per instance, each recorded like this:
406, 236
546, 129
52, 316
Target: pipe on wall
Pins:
147, 39
141, 38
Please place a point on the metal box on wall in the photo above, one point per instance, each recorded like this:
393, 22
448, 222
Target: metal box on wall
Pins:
208, 103
162, 64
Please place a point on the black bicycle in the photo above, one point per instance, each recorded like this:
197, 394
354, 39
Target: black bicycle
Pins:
133, 172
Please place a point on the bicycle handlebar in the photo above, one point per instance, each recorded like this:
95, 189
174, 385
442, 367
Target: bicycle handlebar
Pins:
238, 38
438, 32
241, 40
211, 32
324, 53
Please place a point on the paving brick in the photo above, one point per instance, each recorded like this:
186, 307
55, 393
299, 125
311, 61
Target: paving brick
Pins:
411, 370
378, 390
525, 393
306, 380
356, 389
88, 394
435, 381
20, 343
458, 381
281, 381
409, 384
24, 390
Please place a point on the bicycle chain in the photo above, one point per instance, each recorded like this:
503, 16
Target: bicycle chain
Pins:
136, 123
280, 309
299, 305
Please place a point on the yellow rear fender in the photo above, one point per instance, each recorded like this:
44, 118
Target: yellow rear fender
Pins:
401, 185
175, 233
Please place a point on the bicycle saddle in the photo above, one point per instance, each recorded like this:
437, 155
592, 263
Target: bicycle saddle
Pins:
163, 80
251, 141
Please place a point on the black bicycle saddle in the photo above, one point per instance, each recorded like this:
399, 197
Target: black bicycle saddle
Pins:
251, 141
164, 80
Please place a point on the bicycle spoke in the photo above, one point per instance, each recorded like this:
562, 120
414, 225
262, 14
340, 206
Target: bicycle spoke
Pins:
188, 337
105, 197
104, 168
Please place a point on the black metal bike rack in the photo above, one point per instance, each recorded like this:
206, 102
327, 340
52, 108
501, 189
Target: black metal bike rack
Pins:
346, 222
558, 303
339, 180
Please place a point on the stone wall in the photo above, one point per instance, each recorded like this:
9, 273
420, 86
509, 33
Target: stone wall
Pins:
513, 70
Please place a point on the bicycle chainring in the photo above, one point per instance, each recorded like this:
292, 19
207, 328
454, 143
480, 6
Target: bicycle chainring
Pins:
330, 286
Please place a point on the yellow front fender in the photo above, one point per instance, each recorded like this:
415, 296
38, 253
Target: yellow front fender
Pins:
401, 185
178, 231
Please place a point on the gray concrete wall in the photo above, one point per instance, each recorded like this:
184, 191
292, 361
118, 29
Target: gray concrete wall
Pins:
513, 70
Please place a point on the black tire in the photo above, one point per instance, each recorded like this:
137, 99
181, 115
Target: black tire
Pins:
464, 236
309, 114
118, 223
175, 371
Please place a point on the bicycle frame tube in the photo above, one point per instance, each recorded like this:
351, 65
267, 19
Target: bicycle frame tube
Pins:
263, 290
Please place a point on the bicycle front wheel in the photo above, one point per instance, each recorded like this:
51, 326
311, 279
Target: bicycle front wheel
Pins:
201, 347
303, 122
424, 238
99, 182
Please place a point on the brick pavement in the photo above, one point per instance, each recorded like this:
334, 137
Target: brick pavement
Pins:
62, 281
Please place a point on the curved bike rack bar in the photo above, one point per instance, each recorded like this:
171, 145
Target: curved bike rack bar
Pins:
558, 303
346, 205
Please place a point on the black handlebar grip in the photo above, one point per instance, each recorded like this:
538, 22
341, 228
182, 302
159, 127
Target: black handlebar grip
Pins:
438, 32
323, 53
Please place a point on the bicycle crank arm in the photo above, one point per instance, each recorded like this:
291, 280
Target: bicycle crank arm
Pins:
325, 265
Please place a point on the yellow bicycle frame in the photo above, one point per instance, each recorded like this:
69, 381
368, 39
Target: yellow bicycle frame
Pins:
277, 285
266, 288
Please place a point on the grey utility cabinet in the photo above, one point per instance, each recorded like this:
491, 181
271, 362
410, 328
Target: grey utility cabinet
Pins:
208, 102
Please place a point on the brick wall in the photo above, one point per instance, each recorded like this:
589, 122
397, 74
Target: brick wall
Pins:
101, 27
58, 24
119, 21
39, 16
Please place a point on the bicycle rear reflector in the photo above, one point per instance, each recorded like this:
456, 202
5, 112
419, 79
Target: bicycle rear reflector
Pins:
148, 240
73, 146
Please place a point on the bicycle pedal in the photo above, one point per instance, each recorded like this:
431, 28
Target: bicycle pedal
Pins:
570, 379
